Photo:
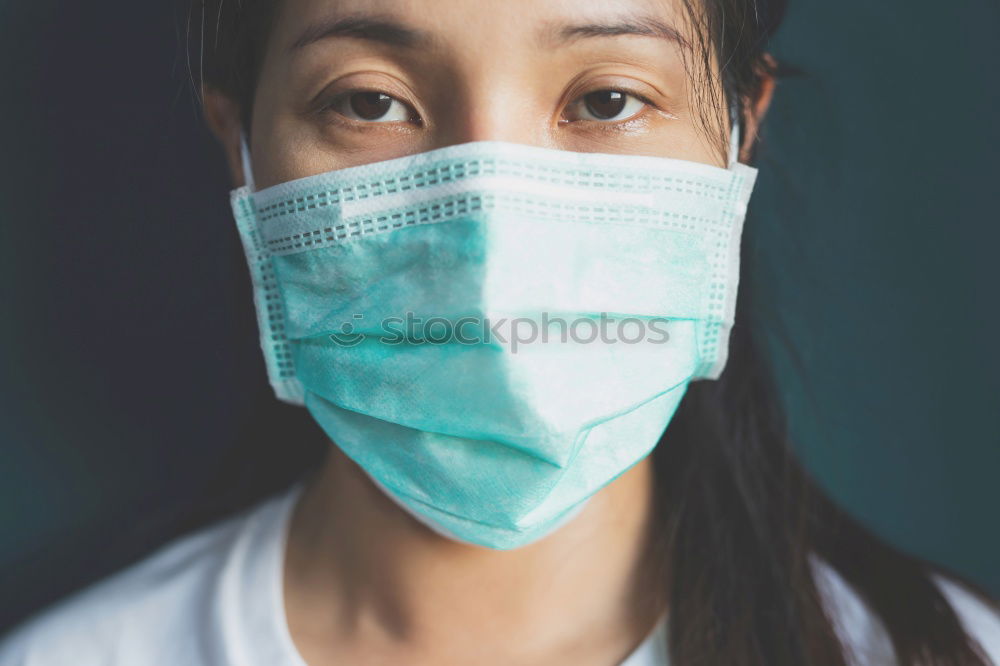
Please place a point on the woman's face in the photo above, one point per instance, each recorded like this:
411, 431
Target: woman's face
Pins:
347, 82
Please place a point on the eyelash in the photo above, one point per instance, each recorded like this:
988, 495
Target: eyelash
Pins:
610, 124
328, 108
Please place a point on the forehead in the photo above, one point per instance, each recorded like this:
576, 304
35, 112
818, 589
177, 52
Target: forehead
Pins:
482, 25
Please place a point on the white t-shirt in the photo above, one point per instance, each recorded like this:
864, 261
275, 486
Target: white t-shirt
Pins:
214, 598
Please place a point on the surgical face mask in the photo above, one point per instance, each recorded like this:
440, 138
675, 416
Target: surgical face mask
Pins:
494, 332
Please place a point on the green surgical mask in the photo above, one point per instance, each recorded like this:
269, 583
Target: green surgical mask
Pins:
494, 332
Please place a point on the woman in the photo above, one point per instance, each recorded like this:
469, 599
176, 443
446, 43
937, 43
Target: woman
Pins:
428, 189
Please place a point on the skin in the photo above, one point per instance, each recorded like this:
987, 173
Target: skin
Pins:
364, 581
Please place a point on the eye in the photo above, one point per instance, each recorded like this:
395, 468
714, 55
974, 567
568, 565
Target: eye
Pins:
605, 106
371, 107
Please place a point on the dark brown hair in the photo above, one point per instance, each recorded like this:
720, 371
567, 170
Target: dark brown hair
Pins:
740, 518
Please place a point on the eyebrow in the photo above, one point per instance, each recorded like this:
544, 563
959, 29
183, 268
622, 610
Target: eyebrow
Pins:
367, 27
642, 26
393, 33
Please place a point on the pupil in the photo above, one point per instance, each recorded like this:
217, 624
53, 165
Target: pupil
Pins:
370, 105
605, 104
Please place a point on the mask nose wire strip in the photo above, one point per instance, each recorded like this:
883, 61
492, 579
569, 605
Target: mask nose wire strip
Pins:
245, 159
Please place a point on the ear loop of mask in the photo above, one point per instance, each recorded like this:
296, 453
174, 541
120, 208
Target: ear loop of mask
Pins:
734, 137
245, 158
734, 145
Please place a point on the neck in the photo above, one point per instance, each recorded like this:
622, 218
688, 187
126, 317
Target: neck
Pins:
359, 568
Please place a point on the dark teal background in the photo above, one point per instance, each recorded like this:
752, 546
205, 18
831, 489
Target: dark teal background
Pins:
134, 404
878, 221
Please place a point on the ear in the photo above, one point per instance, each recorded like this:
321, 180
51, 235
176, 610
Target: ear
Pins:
756, 109
222, 115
